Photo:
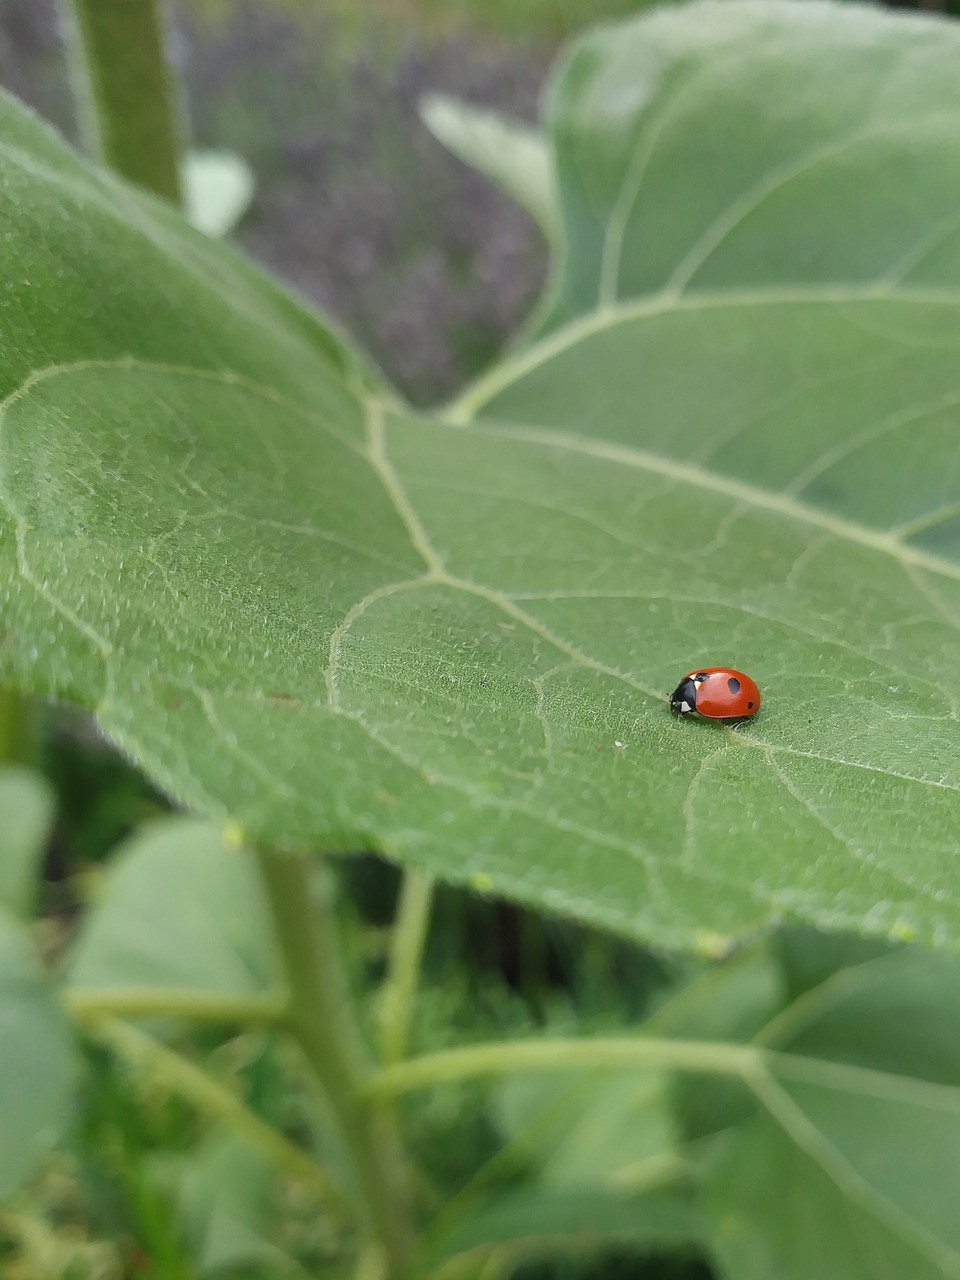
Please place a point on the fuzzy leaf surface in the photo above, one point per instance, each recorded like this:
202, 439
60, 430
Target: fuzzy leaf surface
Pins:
451, 638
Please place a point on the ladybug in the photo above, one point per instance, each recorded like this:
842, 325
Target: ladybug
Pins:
719, 693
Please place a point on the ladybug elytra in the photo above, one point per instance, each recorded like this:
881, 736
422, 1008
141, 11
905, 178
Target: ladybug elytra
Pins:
719, 693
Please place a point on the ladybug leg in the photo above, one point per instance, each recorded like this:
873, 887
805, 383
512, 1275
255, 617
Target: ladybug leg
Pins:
683, 700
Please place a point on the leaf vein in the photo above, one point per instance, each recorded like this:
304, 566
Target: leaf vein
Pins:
778, 503
811, 1140
461, 410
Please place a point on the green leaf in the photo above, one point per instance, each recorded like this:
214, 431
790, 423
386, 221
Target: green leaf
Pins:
886, 1015
26, 814
218, 187
780, 1214
809, 957
544, 1222
862, 1124
226, 1194
721, 147
37, 1076
451, 639
591, 1128
732, 1001
512, 155
180, 914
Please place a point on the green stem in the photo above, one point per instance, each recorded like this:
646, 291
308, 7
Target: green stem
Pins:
125, 98
403, 970
171, 1002
210, 1097
701, 1057
19, 728
320, 1017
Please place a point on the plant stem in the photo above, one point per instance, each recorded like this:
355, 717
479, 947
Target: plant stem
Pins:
699, 1057
403, 970
212, 1098
124, 94
320, 1017
19, 728
171, 1002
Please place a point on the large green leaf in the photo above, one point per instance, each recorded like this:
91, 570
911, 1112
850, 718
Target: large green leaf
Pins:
180, 914
779, 1213
36, 1059
851, 1171
743, 147
451, 639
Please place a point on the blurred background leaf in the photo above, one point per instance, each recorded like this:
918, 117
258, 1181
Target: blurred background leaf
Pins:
26, 815
515, 157
218, 189
859, 1133
177, 911
37, 1077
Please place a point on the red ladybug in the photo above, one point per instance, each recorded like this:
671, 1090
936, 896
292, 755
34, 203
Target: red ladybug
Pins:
716, 692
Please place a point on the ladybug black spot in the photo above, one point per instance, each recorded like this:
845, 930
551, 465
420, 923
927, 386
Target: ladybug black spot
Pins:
733, 684
749, 706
